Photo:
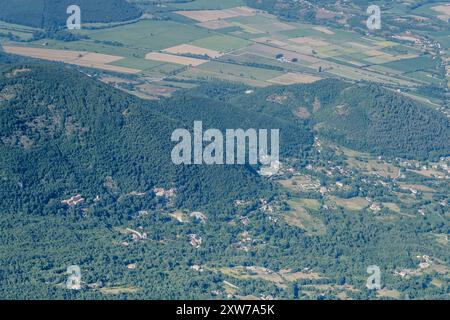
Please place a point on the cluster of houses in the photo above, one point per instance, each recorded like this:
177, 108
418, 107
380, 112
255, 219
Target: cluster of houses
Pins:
161, 192
425, 263
136, 235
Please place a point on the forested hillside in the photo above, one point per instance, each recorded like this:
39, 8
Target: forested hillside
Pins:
51, 13
373, 119
63, 133
361, 116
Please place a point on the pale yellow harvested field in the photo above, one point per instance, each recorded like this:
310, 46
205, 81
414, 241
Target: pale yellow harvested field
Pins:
407, 38
211, 15
79, 58
269, 40
164, 57
102, 66
324, 30
190, 49
281, 26
419, 187
215, 24
46, 54
292, 78
309, 41
388, 293
359, 45
247, 28
99, 58
445, 10
375, 53
354, 204
307, 50
406, 56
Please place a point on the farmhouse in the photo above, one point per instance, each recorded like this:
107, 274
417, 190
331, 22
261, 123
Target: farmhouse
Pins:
198, 216
195, 240
73, 201
161, 192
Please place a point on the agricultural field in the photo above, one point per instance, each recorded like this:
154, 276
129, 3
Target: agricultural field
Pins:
229, 41
439, 10
299, 217
281, 279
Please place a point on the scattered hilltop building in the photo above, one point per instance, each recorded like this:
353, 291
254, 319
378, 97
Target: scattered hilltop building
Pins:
73, 201
244, 220
197, 268
267, 208
195, 240
375, 207
241, 202
161, 192
403, 273
136, 235
269, 171
198, 216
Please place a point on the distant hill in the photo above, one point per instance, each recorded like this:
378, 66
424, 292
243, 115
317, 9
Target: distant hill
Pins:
373, 119
51, 13
363, 117
62, 133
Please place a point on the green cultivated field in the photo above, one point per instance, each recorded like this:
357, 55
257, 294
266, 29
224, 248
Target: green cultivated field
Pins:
222, 43
240, 71
343, 53
209, 4
411, 65
136, 63
150, 35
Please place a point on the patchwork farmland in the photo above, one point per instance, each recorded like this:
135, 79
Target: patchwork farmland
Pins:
229, 41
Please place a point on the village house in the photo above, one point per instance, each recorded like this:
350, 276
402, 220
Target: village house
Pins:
375, 207
197, 268
244, 220
195, 240
161, 192
73, 201
136, 235
198, 216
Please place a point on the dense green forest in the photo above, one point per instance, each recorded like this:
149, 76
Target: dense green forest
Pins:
63, 132
364, 117
52, 13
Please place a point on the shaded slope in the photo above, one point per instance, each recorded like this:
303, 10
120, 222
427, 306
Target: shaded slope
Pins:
62, 133
51, 13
